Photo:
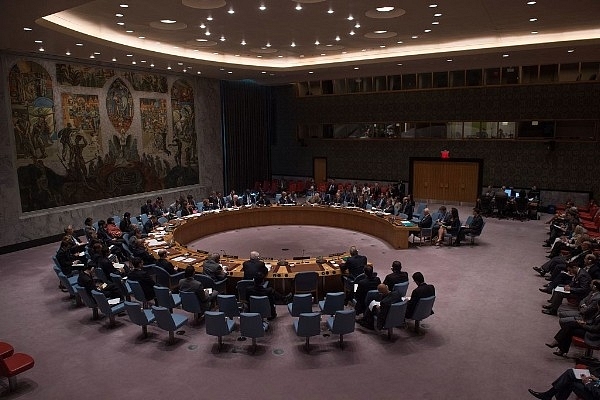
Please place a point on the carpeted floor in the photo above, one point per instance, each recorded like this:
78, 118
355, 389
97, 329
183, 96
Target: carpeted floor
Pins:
485, 340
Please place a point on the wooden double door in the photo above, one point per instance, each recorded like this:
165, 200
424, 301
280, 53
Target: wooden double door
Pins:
456, 181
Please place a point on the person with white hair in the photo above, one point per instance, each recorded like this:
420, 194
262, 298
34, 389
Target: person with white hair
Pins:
254, 266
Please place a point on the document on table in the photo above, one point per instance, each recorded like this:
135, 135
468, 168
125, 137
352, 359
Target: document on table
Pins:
154, 242
579, 373
178, 259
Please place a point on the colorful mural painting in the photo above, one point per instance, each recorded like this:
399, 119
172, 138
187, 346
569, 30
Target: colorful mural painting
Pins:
79, 75
93, 153
145, 82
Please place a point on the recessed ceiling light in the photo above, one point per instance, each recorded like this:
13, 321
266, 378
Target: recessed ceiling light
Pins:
399, 42
317, 42
180, 63
380, 32
534, 32
280, 56
504, 55
222, 38
268, 44
78, 44
323, 54
400, 64
141, 37
330, 11
357, 25
97, 53
207, 33
385, 9
68, 53
437, 14
152, 65
114, 59
202, 26
169, 67
38, 41
570, 51
209, 18
133, 62
310, 72
449, 60
356, 68
259, 56
432, 5
427, 30
236, 55
184, 70
337, 38
143, 61
123, 5
350, 18
243, 42
201, 40
293, 44
168, 21
530, 3
328, 45
129, 55
129, 31
118, 15
532, 19
230, 11
414, 37
27, 29
382, 46
92, 56
262, 7
352, 33
198, 72
298, 6
230, 72
263, 72
271, 74
435, 23
121, 23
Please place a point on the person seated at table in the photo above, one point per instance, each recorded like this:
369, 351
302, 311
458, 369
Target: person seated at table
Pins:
137, 248
369, 282
108, 240
105, 264
234, 202
337, 199
422, 290
66, 258
249, 198
386, 297
142, 276
263, 200
151, 224
88, 228
159, 207
315, 199
397, 275
355, 264
361, 202
426, 221
389, 206
254, 266
259, 289
474, 228
576, 290
164, 263
125, 224
286, 198
189, 284
452, 226
590, 329
191, 204
88, 281
407, 208
213, 268
147, 208
443, 219
585, 387
112, 228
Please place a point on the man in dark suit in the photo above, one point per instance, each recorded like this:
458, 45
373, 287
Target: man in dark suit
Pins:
259, 289
253, 266
369, 282
189, 284
354, 264
143, 277
426, 220
421, 291
87, 281
164, 263
387, 298
577, 289
474, 228
397, 275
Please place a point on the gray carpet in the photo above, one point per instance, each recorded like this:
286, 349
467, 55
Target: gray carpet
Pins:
485, 341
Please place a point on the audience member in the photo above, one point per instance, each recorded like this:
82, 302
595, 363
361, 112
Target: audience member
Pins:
577, 289
397, 275
259, 289
422, 290
590, 329
585, 387
355, 264
87, 281
125, 224
164, 263
369, 282
474, 228
450, 226
213, 268
142, 276
147, 208
381, 310
189, 284
425, 221
88, 228
254, 266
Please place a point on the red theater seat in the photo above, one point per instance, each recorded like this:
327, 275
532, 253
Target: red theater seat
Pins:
13, 365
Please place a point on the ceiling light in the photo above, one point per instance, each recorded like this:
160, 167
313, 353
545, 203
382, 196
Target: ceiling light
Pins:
323, 54
330, 11
532, 19
570, 51
129, 55
27, 29
530, 3
504, 55
198, 72
123, 5
41, 49
352, 33
534, 32
380, 32
119, 15
68, 53
236, 55
350, 17
399, 42
385, 9
259, 56
129, 31
78, 44
432, 5
268, 44
435, 23
38, 41
382, 46
143, 61
298, 6
262, 7
91, 56
449, 60
400, 64
201, 40
141, 37
114, 59
133, 62
357, 25
355, 67
207, 33
151, 65
280, 56
184, 70
209, 18
230, 11
121, 23
427, 30
243, 42
169, 67
97, 53
337, 38
293, 44
222, 39
310, 72
263, 72
230, 72
168, 21
328, 45
202, 26
180, 64
414, 37
317, 42
437, 14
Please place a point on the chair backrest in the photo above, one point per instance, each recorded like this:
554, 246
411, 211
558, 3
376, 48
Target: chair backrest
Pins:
85, 297
136, 314
261, 305
121, 286
306, 281
251, 325
137, 291
423, 308
162, 220
420, 207
99, 273
190, 302
302, 303
56, 264
144, 218
228, 304
163, 278
344, 322
163, 297
241, 288
333, 303
205, 280
401, 288
102, 302
396, 315
309, 324
164, 319
216, 325
65, 282
134, 221
469, 220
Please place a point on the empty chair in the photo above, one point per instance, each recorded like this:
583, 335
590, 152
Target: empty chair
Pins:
13, 365
218, 325
166, 299
342, 323
422, 310
425, 235
209, 282
252, 326
401, 288
138, 293
66, 282
87, 300
122, 286
139, 316
261, 305
301, 303
333, 302
395, 317
191, 303
6, 350
306, 282
107, 309
163, 278
307, 325
241, 289
168, 322
229, 305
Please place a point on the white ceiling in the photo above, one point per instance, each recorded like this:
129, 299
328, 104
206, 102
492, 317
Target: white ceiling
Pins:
469, 34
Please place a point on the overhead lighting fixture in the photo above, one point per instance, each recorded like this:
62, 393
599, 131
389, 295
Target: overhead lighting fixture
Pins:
280, 56
350, 17
414, 37
262, 7
133, 62
168, 21
427, 30
27, 29
198, 72
534, 32
38, 41
357, 25
385, 9
437, 14
263, 72
382, 46
123, 5
222, 39
169, 67
207, 33
337, 38
118, 15
380, 32
532, 19
230, 72
184, 70
504, 55
317, 42
435, 23
129, 55
298, 7
570, 51
352, 33
151, 65
330, 11
92, 56
68, 53
230, 11
268, 44
129, 31
293, 44
121, 23
356, 68
141, 37
432, 5
201, 40
114, 59
243, 42
209, 18
400, 64
530, 3
97, 53
180, 63
399, 42
78, 44
202, 26
41, 49
449, 60
310, 72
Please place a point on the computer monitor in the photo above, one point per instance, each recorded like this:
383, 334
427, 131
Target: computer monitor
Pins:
508, 192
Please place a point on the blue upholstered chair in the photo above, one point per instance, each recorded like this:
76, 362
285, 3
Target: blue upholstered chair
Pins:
252, 326
138, 293
122, 286
241, 289
107, 309
168, 322
68, 283
342, 323
422, 310
229, 305
163, 278
139, 316
166, 299
395, 317
333, 302
190, 303
307, 282
307, 325
261, 305
401, 288
87, 300
301, 303
217, 324
209, 282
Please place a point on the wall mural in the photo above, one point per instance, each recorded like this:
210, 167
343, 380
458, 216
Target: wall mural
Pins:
94, 152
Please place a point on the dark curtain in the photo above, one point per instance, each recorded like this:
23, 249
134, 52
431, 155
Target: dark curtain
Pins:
247, 124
